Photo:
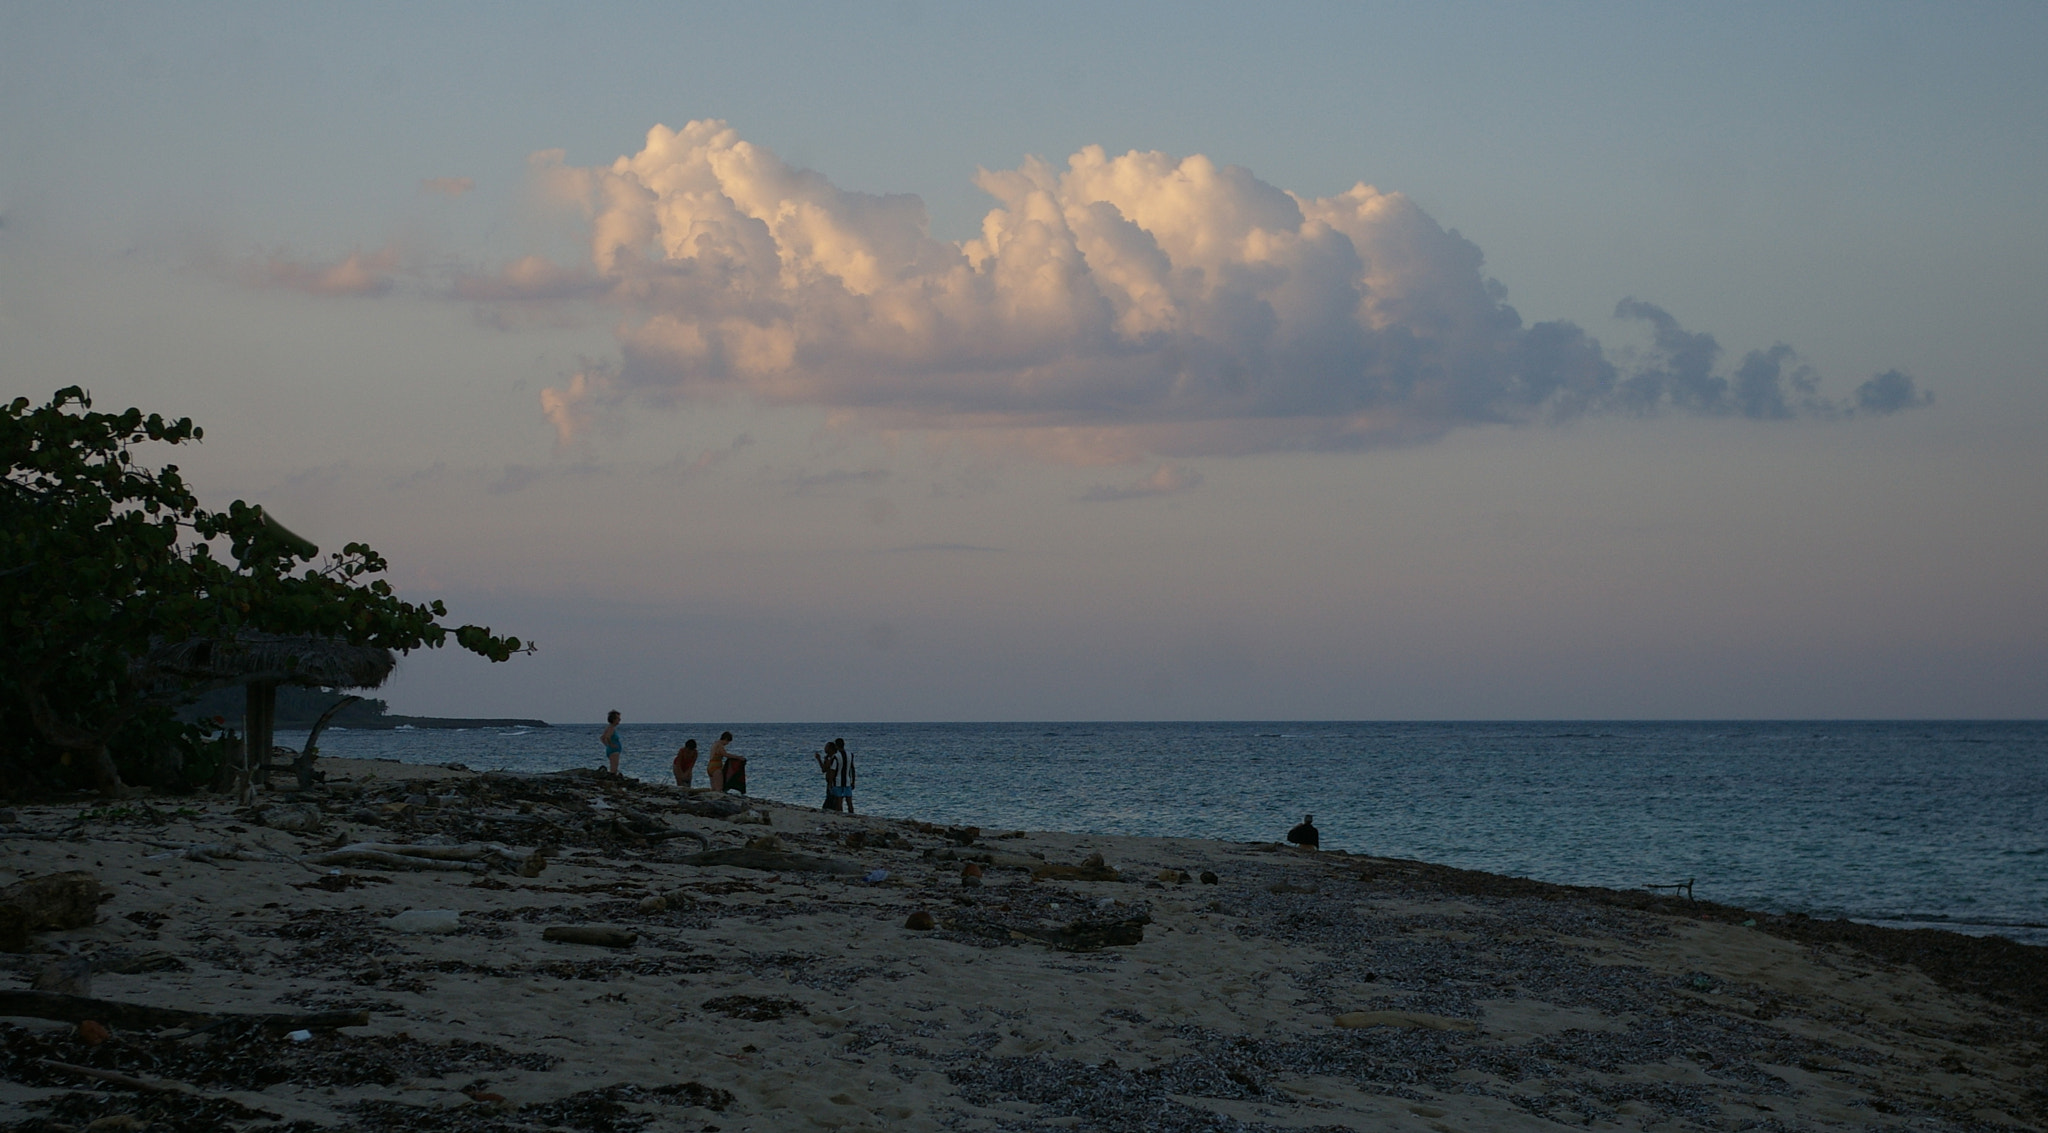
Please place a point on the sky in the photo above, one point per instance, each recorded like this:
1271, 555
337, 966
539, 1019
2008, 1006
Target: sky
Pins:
914, 361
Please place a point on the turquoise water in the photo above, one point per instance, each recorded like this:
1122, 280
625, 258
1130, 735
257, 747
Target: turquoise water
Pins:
1925, 823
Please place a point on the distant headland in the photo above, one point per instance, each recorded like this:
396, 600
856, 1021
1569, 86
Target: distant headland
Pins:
299, 708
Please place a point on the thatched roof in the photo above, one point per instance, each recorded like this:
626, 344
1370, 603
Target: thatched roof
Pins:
269, 658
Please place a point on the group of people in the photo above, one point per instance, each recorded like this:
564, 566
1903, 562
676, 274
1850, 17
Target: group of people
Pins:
727, 769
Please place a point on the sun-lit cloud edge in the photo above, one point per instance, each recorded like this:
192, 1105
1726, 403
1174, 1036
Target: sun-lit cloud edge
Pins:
1118, 308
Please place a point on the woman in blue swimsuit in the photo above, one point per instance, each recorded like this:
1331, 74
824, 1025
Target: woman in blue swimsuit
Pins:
612, 747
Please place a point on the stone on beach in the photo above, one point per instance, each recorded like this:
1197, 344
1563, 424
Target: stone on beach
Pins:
1092, 868
55, 902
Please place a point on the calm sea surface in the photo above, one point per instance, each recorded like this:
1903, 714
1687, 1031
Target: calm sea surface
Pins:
1920, 823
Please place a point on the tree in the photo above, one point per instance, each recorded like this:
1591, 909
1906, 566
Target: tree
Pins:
104, 559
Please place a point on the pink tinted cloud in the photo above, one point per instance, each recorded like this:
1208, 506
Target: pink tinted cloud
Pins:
1119, 306
358, 274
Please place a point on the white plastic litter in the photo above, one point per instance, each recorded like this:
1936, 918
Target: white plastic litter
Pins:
300, 1036
877, 877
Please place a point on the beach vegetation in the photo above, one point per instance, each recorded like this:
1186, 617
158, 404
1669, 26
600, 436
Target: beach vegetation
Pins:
112, 571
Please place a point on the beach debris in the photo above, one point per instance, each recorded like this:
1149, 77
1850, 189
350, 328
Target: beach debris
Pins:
921, 921
756, 1008
92, 1032
124, 961
300, 1036
58, 901
71, 975
989, 858
603, 936
432, 921
751, 818
1359, 1020
873, 839
473, 857
970, 875
1092, 868
62, 1008
772, 861
1209, 877
292, 817
876, 877
765, 842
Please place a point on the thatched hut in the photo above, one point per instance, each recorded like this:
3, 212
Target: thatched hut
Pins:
262, 661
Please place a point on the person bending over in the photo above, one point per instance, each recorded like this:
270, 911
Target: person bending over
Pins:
715, 768
685, 764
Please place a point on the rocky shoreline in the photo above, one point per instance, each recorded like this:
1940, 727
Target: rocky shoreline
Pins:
429, 949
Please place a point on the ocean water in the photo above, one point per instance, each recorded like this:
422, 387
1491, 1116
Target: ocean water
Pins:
1935, 824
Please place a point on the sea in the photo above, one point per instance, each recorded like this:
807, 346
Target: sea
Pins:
1909, 824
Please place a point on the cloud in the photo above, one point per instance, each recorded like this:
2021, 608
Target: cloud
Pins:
359, 274
447, 186
1166, 481
569, 409
1890, 392
805, 481
531, 278
1117, 307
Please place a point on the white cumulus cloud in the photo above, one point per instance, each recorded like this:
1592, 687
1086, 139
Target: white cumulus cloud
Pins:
1118, 306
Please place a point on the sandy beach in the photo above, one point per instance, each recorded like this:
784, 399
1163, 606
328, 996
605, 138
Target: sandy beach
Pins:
758, 971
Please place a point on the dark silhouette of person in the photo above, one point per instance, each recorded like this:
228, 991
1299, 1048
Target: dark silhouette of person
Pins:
1306, 834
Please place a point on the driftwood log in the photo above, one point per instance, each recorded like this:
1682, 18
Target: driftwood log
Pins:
125, 1081
62, 1008
476, 856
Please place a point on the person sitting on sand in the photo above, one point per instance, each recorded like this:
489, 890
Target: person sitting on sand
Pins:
714, 769
1306, 834
685, 764
612, 747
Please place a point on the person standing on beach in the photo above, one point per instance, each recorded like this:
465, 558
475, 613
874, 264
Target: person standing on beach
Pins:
612, 747
828, 764
837, 764
842, 786
715, 768
685, 764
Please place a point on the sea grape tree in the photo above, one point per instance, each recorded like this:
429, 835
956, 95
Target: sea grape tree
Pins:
105, 558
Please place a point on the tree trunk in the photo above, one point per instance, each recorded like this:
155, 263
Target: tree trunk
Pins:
259, 720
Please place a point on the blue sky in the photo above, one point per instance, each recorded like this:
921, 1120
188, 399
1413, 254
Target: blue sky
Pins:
1214, 455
